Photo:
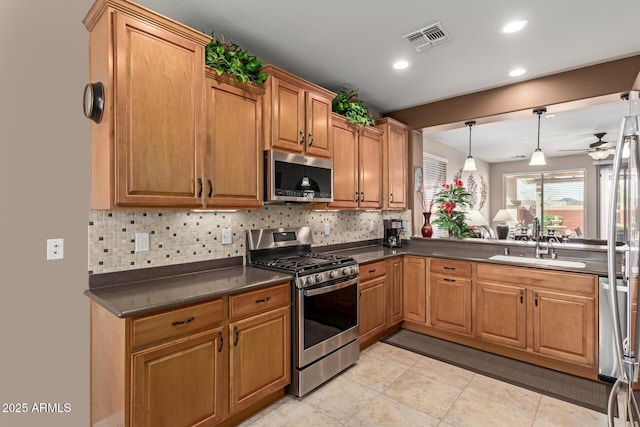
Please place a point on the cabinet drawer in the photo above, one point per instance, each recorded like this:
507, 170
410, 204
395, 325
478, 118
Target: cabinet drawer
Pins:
178, 322
374, 269
260, 300
450, 267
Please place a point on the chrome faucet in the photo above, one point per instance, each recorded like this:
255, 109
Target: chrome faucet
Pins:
536, 235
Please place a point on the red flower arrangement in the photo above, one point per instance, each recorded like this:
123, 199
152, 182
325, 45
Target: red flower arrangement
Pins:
449, 200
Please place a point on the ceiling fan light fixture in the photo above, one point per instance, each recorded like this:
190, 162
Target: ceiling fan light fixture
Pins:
599, 154
537, 158
469, 163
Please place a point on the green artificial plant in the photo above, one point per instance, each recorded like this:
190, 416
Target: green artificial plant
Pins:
347, 104
227, 57
449, 200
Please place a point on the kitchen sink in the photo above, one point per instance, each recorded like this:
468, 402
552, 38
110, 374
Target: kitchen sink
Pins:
539, 261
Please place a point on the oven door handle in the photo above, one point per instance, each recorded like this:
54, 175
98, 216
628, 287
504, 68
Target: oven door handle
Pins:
326, 289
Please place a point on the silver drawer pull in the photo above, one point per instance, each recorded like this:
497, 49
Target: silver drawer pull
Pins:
266, 299
183, 322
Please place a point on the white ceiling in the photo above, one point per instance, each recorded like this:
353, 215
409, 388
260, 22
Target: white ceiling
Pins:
352, 44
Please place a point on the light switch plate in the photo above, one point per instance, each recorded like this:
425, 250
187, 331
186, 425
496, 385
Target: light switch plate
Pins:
372, 226
142, 242
406, 226
226, 236
327, 229
55, 249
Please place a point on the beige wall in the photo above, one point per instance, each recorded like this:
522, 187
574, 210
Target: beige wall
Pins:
578, 161
44, 162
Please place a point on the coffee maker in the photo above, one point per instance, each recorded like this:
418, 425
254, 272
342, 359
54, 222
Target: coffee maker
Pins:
392, 230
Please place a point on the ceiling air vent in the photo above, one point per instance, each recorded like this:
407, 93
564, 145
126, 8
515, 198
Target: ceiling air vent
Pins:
428, 36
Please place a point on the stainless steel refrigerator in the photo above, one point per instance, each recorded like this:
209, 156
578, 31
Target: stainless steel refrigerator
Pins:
623, 264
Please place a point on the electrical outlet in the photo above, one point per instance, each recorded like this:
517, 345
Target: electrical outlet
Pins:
55, 249
372, 226
142, 242
226, 236
327, 229
406, 226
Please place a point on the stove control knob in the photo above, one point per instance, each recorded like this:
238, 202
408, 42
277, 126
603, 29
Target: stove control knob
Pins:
309, 280
318, 278
345, 271
353, 270
333, 274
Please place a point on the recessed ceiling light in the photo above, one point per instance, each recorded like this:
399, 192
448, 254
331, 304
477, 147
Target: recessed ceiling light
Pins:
400, 65
548, 116
513, 27
517, 72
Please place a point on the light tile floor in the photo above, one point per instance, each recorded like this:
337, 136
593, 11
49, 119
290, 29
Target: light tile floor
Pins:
390, 386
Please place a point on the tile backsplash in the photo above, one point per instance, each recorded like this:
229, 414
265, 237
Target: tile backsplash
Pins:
177, 237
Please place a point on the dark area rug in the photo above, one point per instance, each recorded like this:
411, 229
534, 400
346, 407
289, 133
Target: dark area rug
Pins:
580, 391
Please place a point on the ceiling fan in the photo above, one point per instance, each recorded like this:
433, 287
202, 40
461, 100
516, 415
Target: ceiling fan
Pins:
598, 150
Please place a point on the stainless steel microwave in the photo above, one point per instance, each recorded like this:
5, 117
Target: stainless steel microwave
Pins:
297, 178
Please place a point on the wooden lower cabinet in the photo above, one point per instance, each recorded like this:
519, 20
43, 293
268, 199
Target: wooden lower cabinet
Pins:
450, 295
414, 289
394, 291
179, 384
199, 365
564, 326
546, 313
501, 314
260, 359
450, 303
372, 307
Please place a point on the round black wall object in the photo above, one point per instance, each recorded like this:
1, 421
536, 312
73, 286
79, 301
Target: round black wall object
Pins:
93, 101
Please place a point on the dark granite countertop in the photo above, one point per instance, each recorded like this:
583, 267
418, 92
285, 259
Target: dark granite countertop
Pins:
152, 295
147, 291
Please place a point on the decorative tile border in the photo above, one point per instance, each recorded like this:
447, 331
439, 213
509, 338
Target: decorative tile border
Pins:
177, 237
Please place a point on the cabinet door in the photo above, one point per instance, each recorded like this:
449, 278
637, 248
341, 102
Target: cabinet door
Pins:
260, 357
397, 151
233, 147
394, 294
501, 314
318, 125
345, 164
370, 163
159, 116
450, 303
287, 115
564, 326
372, 307
414, 289
179, 384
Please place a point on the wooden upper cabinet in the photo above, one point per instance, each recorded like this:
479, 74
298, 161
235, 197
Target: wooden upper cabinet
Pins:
395, 165
145, 150
233, 154
345, 163
297, 115
370, 151
357, 165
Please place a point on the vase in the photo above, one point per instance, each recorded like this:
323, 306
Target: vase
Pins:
427, 230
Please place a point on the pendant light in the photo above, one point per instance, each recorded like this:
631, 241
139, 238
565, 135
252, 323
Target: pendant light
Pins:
537, 158
470, 163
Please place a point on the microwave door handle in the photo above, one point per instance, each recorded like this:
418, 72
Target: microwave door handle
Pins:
326, 289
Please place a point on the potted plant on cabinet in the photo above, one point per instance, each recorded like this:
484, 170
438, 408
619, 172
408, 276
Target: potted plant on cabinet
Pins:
347, 104
228, 57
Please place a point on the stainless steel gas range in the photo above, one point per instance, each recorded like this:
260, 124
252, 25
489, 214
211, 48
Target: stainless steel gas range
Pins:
325, 307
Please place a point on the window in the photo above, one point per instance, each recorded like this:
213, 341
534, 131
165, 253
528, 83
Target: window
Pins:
556, 198
434, 174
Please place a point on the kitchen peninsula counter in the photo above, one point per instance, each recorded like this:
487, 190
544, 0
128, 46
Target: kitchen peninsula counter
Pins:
480, 250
